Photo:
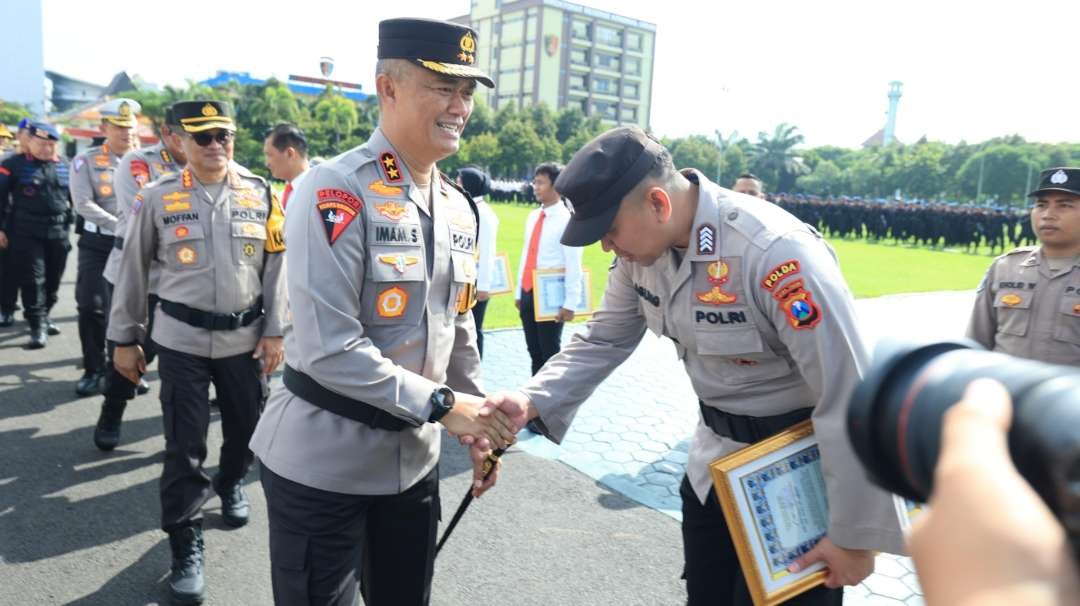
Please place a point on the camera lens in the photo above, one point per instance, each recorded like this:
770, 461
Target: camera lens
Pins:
895, 415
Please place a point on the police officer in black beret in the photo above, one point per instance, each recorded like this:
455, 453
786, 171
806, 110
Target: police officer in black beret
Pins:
35, 218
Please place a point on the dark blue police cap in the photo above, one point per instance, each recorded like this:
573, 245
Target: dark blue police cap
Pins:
475, 181
44, 130
1059, 179
440, 46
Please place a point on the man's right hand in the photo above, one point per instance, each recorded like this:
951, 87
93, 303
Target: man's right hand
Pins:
130, 362
3, 240
464, 420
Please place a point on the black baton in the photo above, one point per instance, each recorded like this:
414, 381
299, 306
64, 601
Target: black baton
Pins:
489, 467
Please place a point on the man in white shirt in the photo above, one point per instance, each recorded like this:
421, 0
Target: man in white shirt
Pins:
543, 250
286, 152
478, 184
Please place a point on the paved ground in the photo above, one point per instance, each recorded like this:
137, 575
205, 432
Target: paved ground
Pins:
590, 522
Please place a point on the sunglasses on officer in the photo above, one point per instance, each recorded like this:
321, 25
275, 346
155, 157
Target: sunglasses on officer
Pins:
205, 138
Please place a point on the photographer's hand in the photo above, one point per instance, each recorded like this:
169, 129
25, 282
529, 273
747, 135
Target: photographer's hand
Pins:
987, 537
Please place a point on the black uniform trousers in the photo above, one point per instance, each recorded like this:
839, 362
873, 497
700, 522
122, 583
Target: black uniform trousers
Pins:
40, 264
117, 386
185, 413
478, 311
711, 567
92, 298
321, 542
543, 339
9, 281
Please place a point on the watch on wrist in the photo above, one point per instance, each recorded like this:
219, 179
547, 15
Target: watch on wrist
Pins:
442, 401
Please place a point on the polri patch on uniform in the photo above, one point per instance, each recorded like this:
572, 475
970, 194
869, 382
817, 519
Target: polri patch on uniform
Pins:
718, 273
337, 208
383, 189
392, 210
140, 171
462, 241
391, 303
391, 171
778, 273
186, 255
706, 239
799, 305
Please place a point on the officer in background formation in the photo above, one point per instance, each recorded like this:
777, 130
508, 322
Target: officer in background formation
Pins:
136, 169
35, 220
216, 233
382, 346
749, 184
1028, 304
9, 287
761, 317
94, 194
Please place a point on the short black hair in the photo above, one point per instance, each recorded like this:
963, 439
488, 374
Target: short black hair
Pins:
551, 169
285, 135
749, 176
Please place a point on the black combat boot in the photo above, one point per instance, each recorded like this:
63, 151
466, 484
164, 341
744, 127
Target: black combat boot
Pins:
235, 508
142, 388
107, 431
186, 584
7, 319
38, 335
50, 327
90, 384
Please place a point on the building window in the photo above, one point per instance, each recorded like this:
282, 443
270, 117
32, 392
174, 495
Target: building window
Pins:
527, 77
630, 90
510, 57
579, 56
606, 61
633, 40
608, 35
530, 28
579, 82
604, 85
580, 30
604, 109
530, 54
628, 114
509, 81
633, 66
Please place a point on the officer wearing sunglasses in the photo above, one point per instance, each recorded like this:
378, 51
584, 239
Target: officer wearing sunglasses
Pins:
215, 229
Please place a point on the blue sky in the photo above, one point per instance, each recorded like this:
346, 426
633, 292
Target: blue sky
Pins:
971, 70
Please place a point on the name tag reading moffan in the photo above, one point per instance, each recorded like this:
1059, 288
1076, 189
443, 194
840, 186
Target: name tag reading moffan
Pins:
179, 218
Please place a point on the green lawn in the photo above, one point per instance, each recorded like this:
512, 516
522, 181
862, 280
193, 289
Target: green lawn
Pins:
871, 270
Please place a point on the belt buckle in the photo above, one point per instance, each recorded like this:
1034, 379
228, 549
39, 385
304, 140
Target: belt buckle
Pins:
235, 319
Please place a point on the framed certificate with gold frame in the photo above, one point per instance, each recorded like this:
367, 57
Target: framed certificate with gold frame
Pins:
774, 501
549, 294
501, 282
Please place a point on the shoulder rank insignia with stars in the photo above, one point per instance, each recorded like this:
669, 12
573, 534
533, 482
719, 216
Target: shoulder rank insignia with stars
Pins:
390, 169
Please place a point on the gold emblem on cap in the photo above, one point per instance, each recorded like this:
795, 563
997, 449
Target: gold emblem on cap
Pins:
125, 110
209, 110
468, 43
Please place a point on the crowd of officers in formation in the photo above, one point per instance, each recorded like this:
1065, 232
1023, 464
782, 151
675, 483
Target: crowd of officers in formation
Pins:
181, 255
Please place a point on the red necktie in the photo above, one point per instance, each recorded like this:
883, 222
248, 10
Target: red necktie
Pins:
530, 257
285, 196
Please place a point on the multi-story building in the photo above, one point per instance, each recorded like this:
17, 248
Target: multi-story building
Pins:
565, 55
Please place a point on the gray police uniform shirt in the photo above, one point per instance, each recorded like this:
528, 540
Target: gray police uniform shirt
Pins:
1023, 309
93, 189
136, 169
764, 323
216, 255
378, 284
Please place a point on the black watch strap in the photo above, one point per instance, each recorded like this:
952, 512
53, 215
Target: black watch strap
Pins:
442, 401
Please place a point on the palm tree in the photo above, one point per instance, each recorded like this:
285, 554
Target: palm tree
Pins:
775, 158
724, 143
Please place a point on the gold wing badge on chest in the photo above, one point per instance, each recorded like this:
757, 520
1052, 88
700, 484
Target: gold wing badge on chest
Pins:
399, 262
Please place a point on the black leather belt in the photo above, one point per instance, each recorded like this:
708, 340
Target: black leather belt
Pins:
361, 412
118, 243
748, 430
210, 320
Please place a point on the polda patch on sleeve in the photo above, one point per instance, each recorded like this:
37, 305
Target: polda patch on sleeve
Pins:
778, 273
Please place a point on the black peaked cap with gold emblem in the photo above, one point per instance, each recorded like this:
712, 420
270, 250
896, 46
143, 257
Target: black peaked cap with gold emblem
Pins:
1062, 179
440, 46
197, 116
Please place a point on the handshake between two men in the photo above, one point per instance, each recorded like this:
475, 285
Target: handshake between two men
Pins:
486, 425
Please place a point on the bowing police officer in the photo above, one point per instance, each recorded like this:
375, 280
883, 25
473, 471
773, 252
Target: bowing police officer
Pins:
35, 220
382, 347
93, 190
216, 233
1028, 304
137, 168
761, 316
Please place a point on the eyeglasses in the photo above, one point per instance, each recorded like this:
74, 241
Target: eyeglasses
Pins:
222, 136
